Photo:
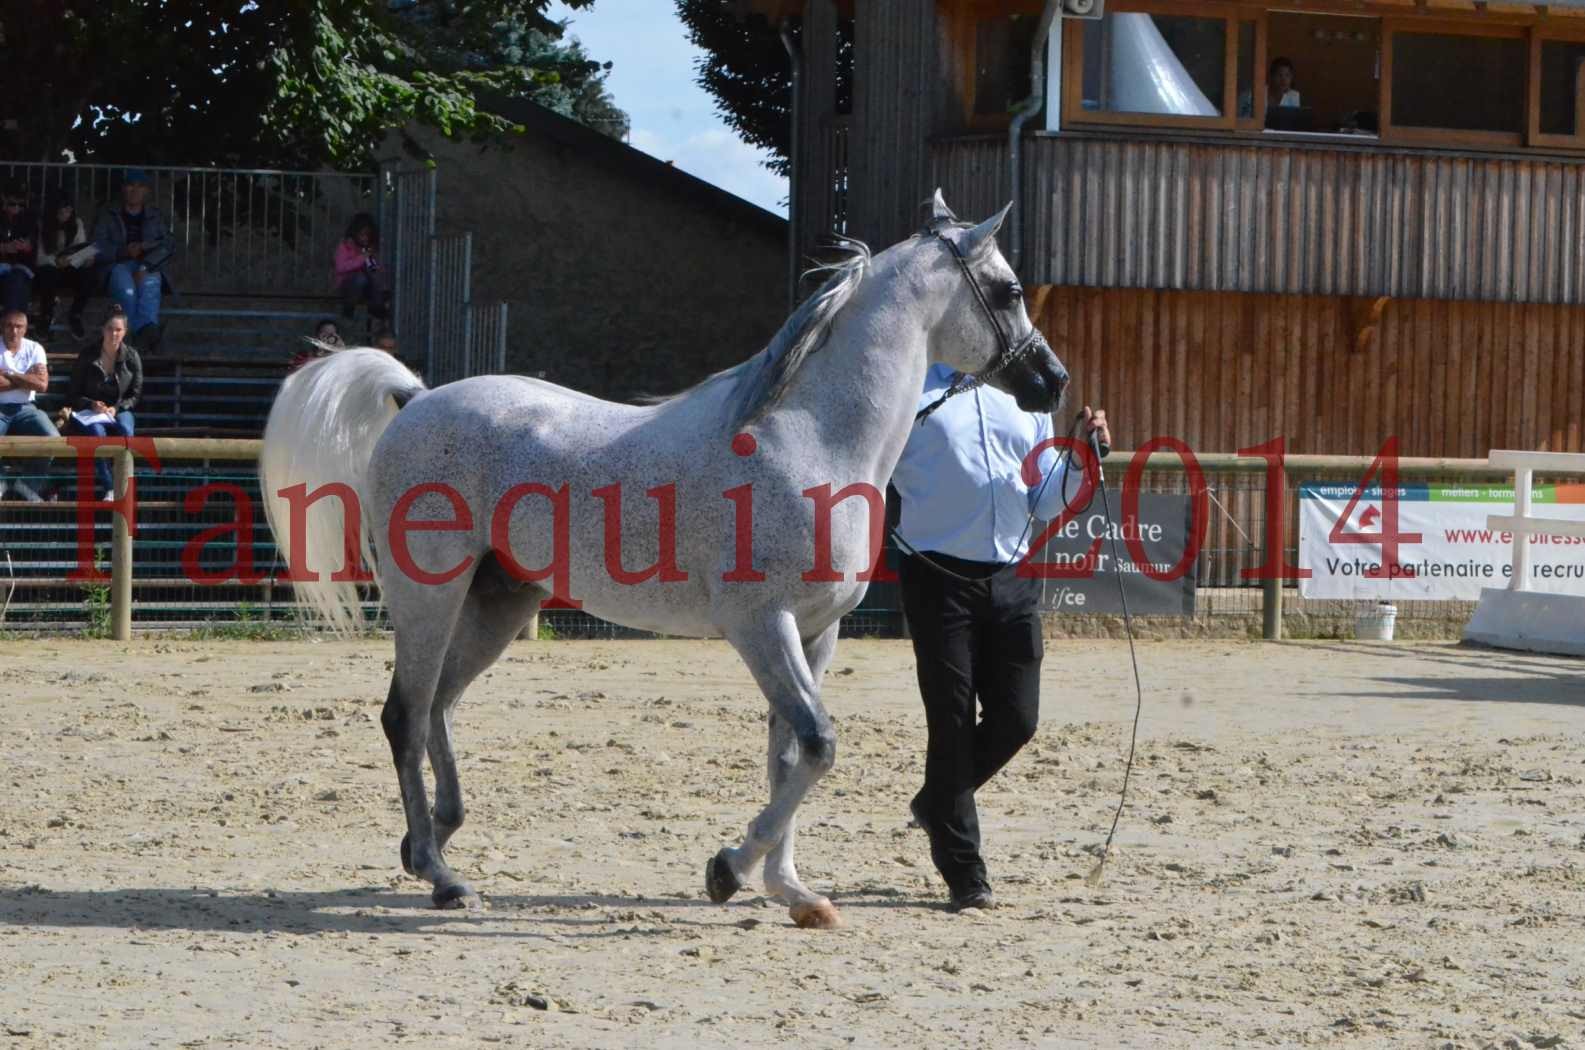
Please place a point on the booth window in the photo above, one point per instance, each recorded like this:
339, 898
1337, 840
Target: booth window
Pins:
1332, 72
1170, 67
1435, 79
1248, 59
1459, 82
1562, 77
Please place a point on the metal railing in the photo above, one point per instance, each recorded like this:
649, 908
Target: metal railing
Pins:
237, 230
436, 320
486, 339
407, 225
450, 288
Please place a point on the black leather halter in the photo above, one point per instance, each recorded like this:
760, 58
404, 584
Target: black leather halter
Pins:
1011, 353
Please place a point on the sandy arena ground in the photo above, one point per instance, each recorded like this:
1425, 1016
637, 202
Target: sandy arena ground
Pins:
1327, 844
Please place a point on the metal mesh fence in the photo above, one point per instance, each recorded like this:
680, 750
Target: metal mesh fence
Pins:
237, 231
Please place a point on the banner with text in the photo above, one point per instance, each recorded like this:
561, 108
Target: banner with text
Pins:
1160, 533
1455, 554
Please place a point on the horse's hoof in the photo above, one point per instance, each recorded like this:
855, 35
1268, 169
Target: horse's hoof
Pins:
407, 856
456, 896
821, 915
719, 881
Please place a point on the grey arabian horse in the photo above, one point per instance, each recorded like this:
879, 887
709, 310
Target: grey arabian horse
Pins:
723, 511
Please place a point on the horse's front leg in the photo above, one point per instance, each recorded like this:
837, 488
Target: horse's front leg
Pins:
781, 875
775, 656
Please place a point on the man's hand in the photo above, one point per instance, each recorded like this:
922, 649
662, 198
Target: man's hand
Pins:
135, 250
1095, 423
106, 409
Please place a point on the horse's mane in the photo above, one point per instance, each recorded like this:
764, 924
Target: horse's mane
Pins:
759, 383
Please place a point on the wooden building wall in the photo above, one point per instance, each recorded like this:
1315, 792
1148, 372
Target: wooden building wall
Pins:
896, 88
1224, 371
1277, 216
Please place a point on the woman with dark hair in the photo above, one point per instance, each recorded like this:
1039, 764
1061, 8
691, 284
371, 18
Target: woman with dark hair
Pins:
359, 277
66, 261
106, 383
1279, 85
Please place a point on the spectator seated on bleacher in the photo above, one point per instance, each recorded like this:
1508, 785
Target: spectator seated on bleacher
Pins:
65, 261
134, 245
359, 276
106, 383
24, 374
18, 243
327, 340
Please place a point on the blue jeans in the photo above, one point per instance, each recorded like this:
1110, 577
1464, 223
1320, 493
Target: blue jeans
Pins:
121, 426
23, 419
140, 300
16, 286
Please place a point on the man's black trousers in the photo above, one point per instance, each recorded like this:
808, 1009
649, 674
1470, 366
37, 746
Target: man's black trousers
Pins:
977, 640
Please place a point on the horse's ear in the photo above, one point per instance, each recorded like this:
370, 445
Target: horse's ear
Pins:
940, 214
982, 236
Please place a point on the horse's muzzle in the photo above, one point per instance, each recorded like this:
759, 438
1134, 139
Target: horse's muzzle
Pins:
1039, 386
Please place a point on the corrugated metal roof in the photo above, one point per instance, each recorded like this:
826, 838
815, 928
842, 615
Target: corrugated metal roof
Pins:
1269, 218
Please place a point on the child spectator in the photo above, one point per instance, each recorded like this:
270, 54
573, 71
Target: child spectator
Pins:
65, 260
18, 245
327, 339
359, 276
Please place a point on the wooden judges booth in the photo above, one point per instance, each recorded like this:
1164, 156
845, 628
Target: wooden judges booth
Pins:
1381, 233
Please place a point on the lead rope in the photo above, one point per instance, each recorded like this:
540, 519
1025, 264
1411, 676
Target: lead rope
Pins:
1096, 873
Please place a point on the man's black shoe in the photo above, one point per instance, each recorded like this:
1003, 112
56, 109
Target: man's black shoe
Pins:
974, 897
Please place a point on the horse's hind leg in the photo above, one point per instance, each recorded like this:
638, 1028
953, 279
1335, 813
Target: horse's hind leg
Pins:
492, 616
423, 618
775, 655
781, 875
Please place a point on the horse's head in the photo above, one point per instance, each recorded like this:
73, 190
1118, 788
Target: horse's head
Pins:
986, 331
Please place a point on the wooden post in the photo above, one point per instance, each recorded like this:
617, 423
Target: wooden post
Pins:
1271, 586
1271, 608
121, 554
530, 631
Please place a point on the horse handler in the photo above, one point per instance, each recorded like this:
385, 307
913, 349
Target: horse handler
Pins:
975, 622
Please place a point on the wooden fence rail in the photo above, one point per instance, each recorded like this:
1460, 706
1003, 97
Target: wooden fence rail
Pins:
232, 450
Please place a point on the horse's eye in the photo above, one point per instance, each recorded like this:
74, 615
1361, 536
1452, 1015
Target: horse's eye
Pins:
1013, 294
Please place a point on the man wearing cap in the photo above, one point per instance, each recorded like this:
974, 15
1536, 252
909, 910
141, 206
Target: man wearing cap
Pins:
134, 243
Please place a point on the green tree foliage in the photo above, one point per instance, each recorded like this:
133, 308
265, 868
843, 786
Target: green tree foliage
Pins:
278, 82
746, 68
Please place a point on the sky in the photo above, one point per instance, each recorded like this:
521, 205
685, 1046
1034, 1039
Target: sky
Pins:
673, 118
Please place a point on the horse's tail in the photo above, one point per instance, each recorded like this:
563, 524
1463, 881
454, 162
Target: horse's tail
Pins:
321, 431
